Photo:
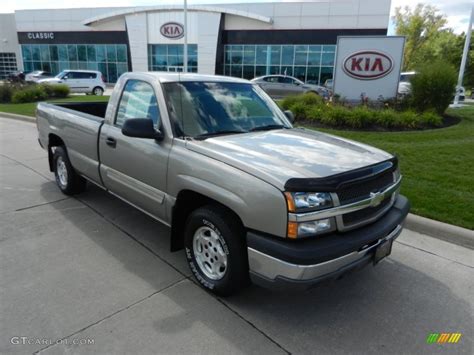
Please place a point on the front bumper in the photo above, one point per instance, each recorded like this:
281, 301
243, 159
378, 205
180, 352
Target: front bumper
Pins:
277, 263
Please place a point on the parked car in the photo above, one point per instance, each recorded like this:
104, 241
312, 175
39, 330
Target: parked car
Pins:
16, 77
246, 195
37, 75
329, 84
80, 81
404, 85
278, 86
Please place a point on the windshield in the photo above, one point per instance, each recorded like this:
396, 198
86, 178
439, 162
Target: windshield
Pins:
200, 109
60, 75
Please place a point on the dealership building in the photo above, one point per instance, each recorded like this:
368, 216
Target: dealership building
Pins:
242, 40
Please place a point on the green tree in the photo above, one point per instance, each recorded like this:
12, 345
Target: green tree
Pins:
420, 27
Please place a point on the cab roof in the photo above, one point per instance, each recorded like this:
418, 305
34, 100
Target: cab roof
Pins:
165, 77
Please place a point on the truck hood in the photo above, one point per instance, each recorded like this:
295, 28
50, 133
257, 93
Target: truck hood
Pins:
279, 155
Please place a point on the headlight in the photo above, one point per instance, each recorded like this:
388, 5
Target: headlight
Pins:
397, 174
307, 201
301, 202
310, 228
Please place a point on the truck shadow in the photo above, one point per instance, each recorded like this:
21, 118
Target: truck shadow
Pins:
390, 308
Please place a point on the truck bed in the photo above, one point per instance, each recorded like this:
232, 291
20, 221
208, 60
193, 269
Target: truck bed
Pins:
79, 125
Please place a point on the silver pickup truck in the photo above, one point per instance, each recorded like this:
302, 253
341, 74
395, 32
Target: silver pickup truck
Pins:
248, 196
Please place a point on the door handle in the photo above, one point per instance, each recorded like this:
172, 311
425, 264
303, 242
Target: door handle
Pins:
111, 142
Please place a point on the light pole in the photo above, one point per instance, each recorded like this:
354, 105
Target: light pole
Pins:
185, 49
464, 57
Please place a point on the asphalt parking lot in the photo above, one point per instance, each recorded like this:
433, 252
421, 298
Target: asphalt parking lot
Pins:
90, 274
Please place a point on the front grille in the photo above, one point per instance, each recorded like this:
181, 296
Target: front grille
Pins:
364, 214
361, 190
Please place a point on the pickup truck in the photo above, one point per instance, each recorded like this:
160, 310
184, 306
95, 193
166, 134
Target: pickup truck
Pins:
249, 197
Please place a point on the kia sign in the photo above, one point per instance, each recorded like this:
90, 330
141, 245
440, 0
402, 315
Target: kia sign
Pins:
172, 30
368, 66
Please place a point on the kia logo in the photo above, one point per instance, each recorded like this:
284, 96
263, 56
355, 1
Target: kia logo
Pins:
368, 65
172, 30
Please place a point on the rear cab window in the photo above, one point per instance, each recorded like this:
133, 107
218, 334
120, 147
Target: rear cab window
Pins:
138, 101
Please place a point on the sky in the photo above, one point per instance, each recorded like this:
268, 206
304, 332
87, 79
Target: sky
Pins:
457, 11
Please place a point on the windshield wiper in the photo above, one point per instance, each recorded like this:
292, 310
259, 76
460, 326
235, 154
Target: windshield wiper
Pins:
268, 127
219, 133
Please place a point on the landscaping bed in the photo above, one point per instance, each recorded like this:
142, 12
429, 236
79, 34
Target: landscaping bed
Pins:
311, 110
437, 166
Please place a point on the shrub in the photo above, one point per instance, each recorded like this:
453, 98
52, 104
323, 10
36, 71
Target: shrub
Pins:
360, 117
299, 110
61, 91
289, 101
430, 118
408, 119
335, 116
433, 87
5, 93
386, 118
29, 94
311, 98
316, 113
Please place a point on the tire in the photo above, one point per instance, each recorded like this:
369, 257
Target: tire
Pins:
214, 237
68, 181
98, 91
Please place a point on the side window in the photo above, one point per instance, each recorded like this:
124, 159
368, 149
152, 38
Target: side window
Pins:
138, 101
286, 80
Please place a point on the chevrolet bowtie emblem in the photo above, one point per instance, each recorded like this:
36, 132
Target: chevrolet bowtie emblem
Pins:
376, 198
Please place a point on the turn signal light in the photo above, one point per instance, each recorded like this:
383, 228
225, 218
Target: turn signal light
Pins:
292, 230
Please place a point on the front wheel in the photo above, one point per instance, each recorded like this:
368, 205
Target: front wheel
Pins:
98, 91
68, 181
215, 250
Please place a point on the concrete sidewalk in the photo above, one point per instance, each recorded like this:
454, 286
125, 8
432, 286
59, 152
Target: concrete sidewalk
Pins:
94, 269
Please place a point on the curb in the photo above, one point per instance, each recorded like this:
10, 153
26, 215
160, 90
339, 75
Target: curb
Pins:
18, 117
439, 230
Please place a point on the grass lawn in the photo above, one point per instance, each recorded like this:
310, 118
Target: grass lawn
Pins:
28, 109
437, 165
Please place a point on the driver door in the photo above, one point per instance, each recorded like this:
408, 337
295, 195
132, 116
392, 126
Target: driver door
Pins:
134, 169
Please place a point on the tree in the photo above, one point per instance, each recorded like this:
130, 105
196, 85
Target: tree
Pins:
420, 27
427, 40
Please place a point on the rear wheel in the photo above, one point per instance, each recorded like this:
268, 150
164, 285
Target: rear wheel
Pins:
215, 250
98, 91
68, 181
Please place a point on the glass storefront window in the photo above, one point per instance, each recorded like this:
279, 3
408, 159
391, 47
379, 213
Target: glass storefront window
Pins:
82, 53
170, 57
288, 55
261, 55
121, 53
62, 52
53, 53
111, 53
58, 57
312, 63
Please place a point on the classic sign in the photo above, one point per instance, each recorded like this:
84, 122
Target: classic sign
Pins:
368, 65
40, 35
172, 30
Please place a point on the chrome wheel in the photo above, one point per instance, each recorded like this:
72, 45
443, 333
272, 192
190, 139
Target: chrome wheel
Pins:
209, 253
61, 170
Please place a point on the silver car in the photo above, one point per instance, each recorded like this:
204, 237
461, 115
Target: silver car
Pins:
278, 86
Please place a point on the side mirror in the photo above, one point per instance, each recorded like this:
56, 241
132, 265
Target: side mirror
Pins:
289, 115
141, 128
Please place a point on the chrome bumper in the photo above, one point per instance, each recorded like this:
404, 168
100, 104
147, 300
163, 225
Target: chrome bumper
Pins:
266, 267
